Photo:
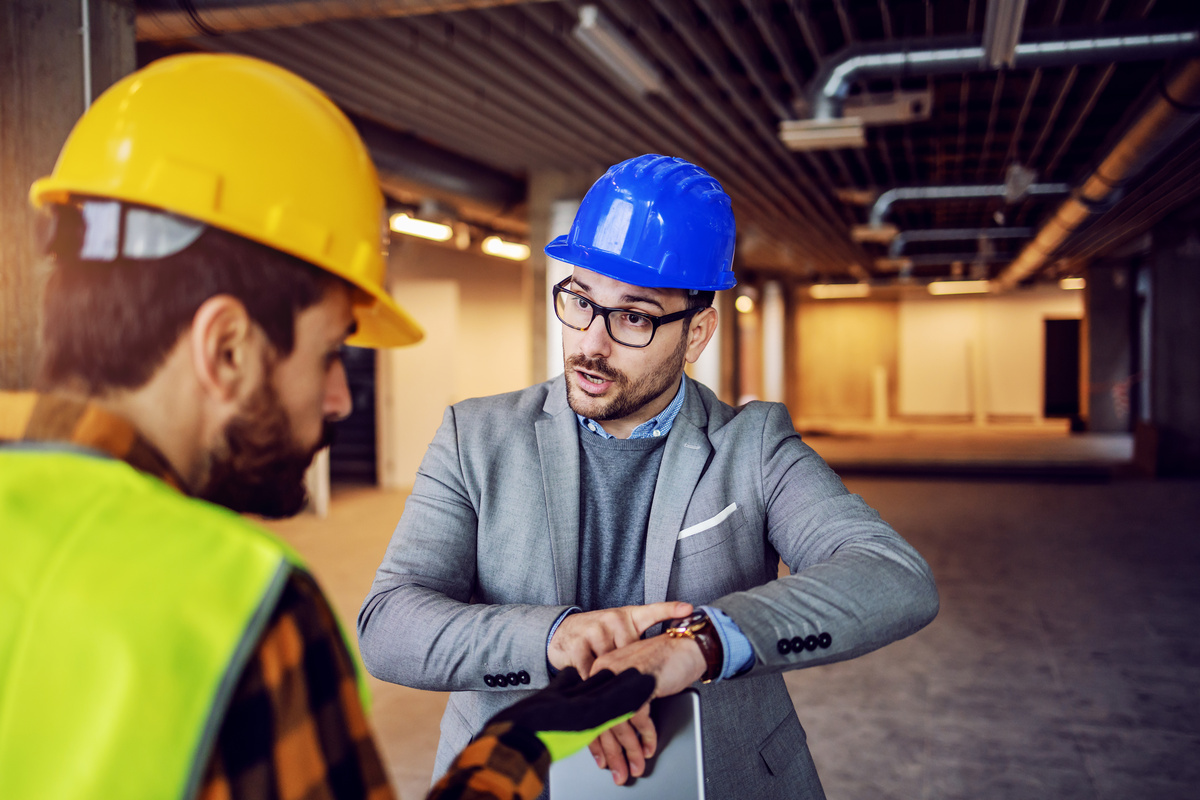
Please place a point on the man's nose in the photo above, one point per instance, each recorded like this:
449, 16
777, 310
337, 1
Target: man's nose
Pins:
338, 403
596, 341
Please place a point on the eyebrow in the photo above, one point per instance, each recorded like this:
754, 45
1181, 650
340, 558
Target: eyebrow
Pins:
351, 329
626, 298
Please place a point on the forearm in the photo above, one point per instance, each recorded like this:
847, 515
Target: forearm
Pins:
870, 592
418, 637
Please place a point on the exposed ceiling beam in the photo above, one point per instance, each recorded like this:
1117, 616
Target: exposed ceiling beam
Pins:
161, 25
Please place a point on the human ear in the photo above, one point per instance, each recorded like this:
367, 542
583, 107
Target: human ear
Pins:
223, 341
701, 329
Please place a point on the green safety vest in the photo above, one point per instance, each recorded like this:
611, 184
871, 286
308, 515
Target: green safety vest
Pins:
127, 614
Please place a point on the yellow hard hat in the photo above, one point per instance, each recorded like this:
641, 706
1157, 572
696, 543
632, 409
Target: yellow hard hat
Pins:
248, 147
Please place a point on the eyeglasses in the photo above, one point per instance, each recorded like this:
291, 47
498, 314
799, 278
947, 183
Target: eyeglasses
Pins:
630, 328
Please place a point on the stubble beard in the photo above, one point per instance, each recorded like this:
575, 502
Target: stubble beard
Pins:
627, 397
259, 468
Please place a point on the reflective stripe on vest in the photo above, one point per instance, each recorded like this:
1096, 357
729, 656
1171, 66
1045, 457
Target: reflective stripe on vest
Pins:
127, 613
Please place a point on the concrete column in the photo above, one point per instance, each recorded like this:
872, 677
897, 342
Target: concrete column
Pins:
49, 72
1174, 354
553, 197
773, 341
1109, 303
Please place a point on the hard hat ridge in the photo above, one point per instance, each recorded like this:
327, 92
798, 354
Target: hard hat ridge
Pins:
654, 221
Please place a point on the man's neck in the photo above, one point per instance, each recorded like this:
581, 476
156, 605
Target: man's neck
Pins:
624, 427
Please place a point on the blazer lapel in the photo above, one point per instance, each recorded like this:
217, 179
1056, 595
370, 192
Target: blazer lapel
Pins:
558, 447
686, 453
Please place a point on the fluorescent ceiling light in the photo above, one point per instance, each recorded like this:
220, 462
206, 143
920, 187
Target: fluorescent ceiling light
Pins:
838, 291
495, 246
822, 134
879, 234
1001, 32
403, 223
960, 287
1072, 283
606, 42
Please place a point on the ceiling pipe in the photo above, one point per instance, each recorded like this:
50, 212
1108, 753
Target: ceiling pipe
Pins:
1048, 48
885, 201
896, 248
204, 19
1169, 116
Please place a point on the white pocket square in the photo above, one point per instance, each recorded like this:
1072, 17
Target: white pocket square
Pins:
711, 522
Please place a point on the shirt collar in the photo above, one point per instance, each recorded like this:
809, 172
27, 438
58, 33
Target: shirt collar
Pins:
650, 429
36, 417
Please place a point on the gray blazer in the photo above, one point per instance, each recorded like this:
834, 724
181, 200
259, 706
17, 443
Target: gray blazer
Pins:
485, 559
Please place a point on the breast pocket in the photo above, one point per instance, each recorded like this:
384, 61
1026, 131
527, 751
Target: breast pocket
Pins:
710, 532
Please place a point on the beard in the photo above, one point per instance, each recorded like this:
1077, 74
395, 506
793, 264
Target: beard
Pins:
259, 468
627, 397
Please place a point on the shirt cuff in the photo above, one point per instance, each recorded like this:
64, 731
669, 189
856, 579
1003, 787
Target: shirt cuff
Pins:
573, 609
739, 654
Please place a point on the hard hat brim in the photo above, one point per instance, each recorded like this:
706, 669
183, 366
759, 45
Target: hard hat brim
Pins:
383, 323
620, 268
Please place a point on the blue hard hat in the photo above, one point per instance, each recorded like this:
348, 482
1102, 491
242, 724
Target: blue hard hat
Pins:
654, 221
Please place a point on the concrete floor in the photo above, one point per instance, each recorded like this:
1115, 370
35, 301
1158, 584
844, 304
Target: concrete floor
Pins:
1064, 662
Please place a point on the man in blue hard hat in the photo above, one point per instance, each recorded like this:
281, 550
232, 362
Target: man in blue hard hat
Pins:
557, 525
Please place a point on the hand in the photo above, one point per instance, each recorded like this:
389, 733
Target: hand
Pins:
675, 665
624, 748
567, 713
581, 638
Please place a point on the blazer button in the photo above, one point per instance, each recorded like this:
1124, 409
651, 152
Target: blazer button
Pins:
797, 644
501, 680
489, 680
784, 647
523, 677
810, 643
513, 679
824, 640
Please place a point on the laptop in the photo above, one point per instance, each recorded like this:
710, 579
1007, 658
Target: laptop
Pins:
675, 772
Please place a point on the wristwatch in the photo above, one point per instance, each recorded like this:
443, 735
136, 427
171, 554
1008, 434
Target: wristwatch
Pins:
699, 628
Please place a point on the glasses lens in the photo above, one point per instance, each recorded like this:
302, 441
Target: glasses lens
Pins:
631, 329
573, 310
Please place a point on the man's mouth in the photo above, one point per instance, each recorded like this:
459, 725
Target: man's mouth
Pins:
587, 376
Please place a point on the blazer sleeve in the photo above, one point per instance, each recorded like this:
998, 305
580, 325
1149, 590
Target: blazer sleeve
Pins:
855, 584
418, 626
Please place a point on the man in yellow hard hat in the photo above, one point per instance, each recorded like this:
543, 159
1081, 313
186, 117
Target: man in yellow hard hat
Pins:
216, 239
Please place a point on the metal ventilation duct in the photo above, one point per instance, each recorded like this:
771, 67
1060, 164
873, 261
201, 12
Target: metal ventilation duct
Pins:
1101, 45
885, 201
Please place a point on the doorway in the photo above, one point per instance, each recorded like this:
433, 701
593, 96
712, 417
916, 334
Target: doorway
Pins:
1061, 368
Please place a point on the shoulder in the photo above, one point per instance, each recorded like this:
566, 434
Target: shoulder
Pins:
756, 418
522, 405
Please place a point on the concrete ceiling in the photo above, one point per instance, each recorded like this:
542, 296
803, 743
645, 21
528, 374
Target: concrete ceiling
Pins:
484, 94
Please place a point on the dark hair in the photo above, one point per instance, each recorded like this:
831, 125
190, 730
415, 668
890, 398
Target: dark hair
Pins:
698, 299
110, 324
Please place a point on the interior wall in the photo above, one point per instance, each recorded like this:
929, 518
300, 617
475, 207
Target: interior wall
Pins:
493, 339
477, 343
841, 344
977, 356
412, 385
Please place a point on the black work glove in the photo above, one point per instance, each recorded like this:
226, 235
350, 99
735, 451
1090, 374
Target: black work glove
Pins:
569, 713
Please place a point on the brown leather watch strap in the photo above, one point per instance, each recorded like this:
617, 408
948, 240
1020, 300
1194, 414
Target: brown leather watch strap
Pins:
699, 628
